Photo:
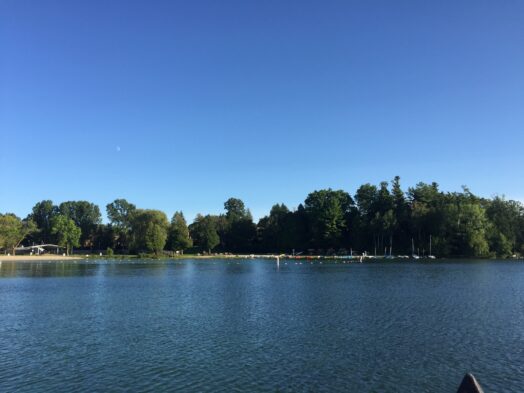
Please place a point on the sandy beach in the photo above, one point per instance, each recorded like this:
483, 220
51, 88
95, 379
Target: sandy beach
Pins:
31, 258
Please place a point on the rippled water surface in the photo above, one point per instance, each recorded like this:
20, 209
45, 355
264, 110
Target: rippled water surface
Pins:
244, 325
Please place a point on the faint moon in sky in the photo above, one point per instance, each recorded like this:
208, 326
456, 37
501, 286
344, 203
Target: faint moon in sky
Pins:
118, 148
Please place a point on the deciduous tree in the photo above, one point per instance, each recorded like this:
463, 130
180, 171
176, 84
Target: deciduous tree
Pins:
67, 232
204, 233
13, 231
86, 216
327, 212
119, 213
141, 221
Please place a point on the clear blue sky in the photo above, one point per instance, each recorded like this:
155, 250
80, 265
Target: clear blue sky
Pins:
180, 105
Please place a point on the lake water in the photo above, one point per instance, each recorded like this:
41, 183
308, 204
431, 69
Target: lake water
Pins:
244, 325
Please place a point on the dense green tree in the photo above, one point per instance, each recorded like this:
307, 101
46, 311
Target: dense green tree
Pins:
178, 234
520, 235
104, 237
67, 232
384, 222
365, 198
155, 238
429, 215
499, 245
222, 226
144, 221
86, 216
327, 211
506, 217
241, 235
204, 233
42, 214
384, 219
473, 227
399, 198
235, 210
466, 225
366, 219
272, 230
296, 230
378, 216
236, 229
284, 231
401, 231
119, 213
13, 231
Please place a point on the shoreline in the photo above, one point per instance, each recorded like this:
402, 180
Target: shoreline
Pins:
309, 258
31, 258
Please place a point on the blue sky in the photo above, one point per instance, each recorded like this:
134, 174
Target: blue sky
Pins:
179, 105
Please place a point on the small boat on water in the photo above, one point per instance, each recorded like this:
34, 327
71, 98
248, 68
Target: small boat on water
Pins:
413, 255
430, 256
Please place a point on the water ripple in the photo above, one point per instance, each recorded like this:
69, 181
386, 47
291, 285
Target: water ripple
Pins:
215, 326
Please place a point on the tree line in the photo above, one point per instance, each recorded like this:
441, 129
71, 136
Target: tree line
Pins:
378, 219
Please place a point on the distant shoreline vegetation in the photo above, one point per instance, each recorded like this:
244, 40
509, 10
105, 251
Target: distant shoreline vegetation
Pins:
377, 220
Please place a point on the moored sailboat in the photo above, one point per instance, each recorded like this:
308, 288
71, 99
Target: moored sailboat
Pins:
413, 255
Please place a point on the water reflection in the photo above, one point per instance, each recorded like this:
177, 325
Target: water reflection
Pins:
46, 269
88, 268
